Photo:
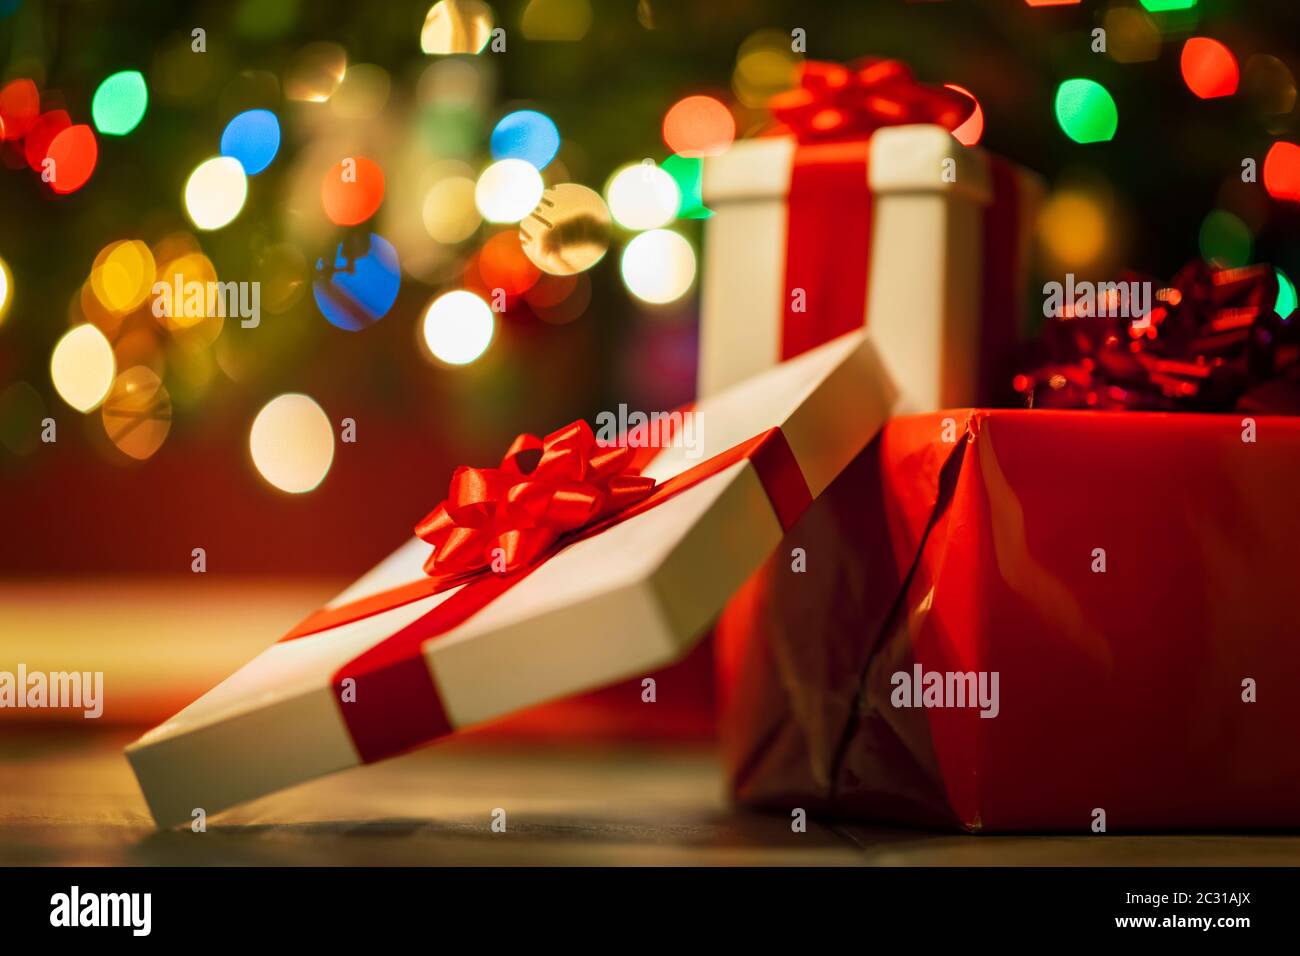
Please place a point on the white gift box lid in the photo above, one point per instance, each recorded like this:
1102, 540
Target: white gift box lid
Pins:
622, 602
914, 158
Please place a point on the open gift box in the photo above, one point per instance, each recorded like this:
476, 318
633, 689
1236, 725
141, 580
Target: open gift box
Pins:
402, 658
1128, 578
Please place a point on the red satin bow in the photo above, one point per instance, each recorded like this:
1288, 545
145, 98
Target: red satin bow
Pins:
839, 102
544, 488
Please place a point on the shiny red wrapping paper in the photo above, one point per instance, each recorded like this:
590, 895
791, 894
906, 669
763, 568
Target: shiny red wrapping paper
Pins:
1119, 690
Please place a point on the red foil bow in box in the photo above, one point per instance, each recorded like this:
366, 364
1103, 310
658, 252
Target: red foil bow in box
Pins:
544, 488
1211, 342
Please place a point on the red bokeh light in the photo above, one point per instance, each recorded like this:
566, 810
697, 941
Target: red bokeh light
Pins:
699, 126
502, 264
75, 152
1282, 171
20, 104
48, 126
350, 193
1209, 68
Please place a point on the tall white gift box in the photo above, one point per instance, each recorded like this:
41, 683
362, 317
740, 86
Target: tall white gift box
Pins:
904, 228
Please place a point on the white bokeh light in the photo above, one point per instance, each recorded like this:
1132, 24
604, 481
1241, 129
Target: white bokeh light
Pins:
643, 196
508, 190
215, 192
458, 327
292, 442
658, 266
82, 367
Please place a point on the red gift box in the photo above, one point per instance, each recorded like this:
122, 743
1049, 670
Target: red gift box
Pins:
1130, 578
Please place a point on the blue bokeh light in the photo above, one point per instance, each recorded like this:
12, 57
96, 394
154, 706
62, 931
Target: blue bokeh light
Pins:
253, 138
359, 288
527, 135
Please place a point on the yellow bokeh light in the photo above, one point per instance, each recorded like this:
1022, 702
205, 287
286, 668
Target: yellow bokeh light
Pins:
556, 20
6, 288
363, 93
292, 443
508, 190
215, 192
765, 65
82, 367
456, 26
1072, 226
137, 413
458, 327
122, 276
643, 196
316, 72
449, 212
658, 266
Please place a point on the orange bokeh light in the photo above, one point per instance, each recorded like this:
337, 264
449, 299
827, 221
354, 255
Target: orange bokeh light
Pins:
1209, 68
75, 153
1282, 171
20, 105
699, 126
502, 264
969, 132
352, 190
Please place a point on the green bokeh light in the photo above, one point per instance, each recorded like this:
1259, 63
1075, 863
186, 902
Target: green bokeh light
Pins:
1086, 111
1160, 6
1225, 239
1286, 297
688, 174
119, 103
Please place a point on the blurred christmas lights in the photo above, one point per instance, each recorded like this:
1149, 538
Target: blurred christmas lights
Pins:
360, 285
658, 266
315, 73
699, 126
6, 289
137, 414
1225, 240
449, 213
458, 327
642, 196
969, 132
82, 367
215, 192
527, 135
73, 154
252, 138
456, 26
119, 103
568, 232
1282, 171
1209, 68
352, 190
292, 443
508, 190
1286, 296
1086, 111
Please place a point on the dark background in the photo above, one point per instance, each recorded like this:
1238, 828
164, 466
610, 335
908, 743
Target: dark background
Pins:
80, 507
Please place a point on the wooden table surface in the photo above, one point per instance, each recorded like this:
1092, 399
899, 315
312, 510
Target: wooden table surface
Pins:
68, 797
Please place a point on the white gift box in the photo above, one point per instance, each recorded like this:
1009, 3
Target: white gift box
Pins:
614, 605
945, 315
